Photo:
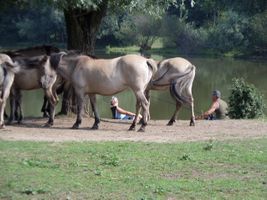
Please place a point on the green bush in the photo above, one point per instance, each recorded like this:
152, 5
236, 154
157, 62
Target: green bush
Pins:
245, 101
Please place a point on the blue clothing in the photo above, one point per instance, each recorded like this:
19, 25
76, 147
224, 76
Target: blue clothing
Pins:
117, 115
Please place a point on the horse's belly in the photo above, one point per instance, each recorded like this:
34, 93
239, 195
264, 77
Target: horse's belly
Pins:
106, 89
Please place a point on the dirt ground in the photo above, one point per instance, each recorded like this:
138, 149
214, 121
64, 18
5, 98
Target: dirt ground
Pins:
116, 130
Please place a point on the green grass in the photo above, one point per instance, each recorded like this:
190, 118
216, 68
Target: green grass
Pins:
124, 170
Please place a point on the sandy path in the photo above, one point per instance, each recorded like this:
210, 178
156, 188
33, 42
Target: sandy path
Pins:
112, 130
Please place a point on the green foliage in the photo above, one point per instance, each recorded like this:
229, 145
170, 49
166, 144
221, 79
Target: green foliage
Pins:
229, 33
245, 101
183, 35
141, 30
33, 24
258, 34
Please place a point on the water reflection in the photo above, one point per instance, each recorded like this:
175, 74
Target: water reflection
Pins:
211, 73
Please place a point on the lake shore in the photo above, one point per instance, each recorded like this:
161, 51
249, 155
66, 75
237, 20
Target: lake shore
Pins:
116, 130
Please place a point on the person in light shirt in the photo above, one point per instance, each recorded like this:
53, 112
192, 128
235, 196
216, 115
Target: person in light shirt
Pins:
120, 113
218, 108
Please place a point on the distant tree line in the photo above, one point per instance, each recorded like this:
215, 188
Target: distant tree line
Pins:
208, 26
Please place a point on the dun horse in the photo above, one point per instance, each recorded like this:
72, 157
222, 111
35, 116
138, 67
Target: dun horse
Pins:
7, 73
106, 77
35, 73
178, 75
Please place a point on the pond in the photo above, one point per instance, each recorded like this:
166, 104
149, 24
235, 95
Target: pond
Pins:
211, 73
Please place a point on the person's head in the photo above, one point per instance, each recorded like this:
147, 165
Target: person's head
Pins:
216, 94
114, 101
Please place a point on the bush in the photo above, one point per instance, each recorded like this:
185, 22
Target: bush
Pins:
245, 101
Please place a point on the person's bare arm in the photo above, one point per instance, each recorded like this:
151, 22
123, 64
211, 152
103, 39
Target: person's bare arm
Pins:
212, 109
122, 111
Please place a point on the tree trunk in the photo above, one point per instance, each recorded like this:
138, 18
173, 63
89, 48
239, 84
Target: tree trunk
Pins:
82, 26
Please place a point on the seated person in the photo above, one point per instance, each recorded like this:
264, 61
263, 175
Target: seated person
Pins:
118, 112
218, 109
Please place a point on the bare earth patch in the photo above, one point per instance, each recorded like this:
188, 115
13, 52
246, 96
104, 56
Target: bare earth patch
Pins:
116, 130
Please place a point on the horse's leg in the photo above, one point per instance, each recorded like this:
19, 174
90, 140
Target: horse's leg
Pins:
93, 105
148, 96
2, 106
12, 100
191, 102
51, 108
145, 107
80, 99
65, 99
141, 100
138, 109
18, 106
174, 116
2, 110
192, 120
44, 107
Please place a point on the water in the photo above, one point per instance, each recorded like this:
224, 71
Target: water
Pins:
211, 73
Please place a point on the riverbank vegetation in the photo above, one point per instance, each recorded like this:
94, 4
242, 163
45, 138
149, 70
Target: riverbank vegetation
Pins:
220, 28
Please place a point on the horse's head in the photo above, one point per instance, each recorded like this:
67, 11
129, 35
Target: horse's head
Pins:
48, 78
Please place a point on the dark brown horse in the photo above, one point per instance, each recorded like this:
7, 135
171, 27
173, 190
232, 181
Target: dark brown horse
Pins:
35, 73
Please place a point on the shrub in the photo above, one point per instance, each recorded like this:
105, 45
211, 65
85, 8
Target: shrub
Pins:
245, 101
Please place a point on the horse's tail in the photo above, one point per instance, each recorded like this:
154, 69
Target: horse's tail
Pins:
12, 66
181, 88
8, 64
152, 65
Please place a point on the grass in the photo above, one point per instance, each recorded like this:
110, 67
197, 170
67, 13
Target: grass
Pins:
125, 170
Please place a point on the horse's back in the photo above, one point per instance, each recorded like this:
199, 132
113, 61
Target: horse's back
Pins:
176, 64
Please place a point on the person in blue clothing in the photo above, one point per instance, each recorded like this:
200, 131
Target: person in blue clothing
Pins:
120, 113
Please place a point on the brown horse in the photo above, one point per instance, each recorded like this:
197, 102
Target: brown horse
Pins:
176, 74
27, 53
106, 77
35, 73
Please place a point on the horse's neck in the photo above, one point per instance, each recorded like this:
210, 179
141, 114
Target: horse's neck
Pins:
65, 71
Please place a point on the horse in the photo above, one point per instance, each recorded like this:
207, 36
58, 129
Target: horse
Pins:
35, 73
28, 53
7, 73
106, 77
176, 74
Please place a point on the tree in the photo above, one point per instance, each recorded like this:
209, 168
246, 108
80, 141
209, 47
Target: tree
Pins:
83, 18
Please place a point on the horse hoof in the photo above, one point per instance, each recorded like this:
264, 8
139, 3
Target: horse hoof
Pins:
9, 122
75, 126
47, 125
94, 128
170, 123
142, 129
2, 126
132, 128
192, 124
